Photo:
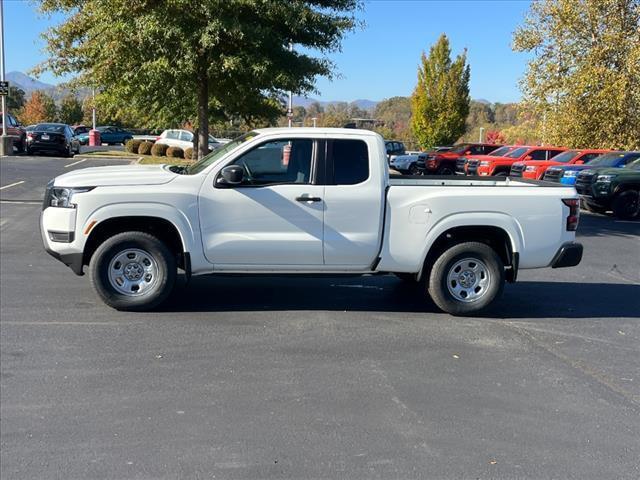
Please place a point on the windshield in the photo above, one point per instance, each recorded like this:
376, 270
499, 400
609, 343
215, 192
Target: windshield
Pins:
565, 157
500, 152
607, 160
460, 148
218, 153
635, 165
517, 153
48, 127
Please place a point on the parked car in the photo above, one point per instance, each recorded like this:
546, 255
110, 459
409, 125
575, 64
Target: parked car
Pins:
501, 166
617, 189
184, 139
535, 169
80, 129
303, 200
52, 137
405, 164
109, 135
444, 163
567, 174
463, 162
16, 131
394, 148
29, 128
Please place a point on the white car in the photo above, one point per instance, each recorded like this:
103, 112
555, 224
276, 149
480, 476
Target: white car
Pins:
184, 139
304, 201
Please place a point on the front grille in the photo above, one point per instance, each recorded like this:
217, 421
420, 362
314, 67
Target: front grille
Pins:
553, 175
472, 167
583, 182
516, 170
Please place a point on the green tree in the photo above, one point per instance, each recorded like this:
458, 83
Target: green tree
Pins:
440, 101
15, 99
70, 110
583, 81
193, 60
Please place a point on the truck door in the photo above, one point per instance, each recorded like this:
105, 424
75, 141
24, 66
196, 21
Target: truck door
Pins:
353, 204
273, 218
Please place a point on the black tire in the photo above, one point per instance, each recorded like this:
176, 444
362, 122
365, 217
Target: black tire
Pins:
626, 205
413, 169
68, 152
21, 146
593, 208
165, 274
406, 277
501, 174
493, 268
445, 170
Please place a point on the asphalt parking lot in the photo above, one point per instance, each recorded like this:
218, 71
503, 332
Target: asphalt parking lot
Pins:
356, 378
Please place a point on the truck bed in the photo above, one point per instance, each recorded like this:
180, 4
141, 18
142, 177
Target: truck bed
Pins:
448, 181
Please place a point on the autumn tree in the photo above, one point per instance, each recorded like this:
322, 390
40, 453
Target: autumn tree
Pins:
191, 60
440, 101
70, 110
495, 137
39, 108
583, 81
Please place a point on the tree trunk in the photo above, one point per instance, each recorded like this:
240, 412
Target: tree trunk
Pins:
203, 112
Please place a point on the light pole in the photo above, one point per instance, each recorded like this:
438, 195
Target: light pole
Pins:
93, 109
315, 119
6, 142
481, 135
290, 109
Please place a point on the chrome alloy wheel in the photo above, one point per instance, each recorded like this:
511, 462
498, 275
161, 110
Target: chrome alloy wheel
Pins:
133, 272
468, 280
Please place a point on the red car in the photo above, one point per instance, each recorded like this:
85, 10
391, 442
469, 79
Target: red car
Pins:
501, 166
534, 169
15, 130
462, 162
444, 163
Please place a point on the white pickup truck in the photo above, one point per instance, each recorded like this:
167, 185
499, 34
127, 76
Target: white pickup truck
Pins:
304, 201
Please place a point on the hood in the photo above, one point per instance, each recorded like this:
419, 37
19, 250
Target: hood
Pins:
116, 175
573, 167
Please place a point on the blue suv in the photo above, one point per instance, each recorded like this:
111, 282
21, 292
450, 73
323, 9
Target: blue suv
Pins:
567, 174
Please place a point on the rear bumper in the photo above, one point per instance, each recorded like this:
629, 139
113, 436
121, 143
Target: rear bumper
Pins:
568, 255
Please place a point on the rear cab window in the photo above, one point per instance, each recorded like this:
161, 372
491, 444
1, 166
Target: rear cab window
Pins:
347, 162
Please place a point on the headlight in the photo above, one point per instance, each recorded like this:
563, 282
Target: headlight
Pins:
484, 164
62, 197
531, 169
605, 178
570, 173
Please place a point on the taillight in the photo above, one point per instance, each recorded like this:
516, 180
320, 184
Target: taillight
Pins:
31, 135
574, 213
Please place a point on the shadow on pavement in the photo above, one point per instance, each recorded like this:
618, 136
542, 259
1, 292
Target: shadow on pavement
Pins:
595, 225
388, 294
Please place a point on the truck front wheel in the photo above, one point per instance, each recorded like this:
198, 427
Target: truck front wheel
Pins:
466, 278
626, 205
133, 271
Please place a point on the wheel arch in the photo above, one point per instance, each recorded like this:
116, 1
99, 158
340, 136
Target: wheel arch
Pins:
500, 232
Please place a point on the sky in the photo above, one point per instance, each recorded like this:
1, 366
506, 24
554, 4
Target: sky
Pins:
377, 61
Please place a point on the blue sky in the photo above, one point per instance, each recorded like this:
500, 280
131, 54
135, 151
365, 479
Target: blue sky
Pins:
377, 61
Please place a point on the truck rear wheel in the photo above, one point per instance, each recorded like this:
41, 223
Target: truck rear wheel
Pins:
133, 271
626, 205
466, 278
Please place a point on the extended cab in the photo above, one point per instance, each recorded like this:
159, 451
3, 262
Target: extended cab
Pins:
535, 169
501, 166
617, 189
444, 163
303, 201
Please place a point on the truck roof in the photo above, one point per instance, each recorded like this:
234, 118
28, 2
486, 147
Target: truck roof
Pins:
317, 130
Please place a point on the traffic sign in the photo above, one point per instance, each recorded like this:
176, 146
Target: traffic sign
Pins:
4, 88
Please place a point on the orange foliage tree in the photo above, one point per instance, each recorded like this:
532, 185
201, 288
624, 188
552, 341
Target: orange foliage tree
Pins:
39, 108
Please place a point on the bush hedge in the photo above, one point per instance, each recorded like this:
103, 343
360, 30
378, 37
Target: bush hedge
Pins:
188, 154
175, 152
145, 148
159, 150
132, 145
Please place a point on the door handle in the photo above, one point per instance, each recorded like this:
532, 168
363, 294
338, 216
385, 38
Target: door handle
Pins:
308, 199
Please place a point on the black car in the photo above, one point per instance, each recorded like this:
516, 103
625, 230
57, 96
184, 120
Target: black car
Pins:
52, 137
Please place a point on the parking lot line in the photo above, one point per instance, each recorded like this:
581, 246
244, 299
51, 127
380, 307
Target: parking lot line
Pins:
12, 185
76, 163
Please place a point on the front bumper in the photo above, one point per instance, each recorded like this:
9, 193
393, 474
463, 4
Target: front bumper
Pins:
57, 228
568, 255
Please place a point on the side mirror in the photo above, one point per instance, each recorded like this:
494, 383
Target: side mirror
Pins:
231, 175
527, 158
579, 162
468, 152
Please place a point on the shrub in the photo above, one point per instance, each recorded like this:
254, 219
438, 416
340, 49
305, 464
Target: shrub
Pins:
188, 154
175, 152
132, 145
159, 150
145, 148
